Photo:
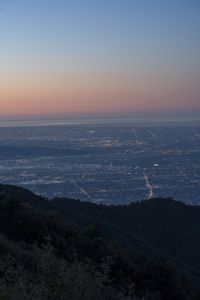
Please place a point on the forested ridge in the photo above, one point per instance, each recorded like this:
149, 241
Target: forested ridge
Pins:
68, 249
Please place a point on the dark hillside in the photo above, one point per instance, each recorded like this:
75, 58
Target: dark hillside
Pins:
163, 225
67, 249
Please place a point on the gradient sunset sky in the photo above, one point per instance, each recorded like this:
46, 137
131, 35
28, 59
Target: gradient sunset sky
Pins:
97, 56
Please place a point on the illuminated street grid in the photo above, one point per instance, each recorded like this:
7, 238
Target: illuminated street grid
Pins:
111, 164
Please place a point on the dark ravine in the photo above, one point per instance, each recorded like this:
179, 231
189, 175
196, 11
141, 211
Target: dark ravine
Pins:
148, 249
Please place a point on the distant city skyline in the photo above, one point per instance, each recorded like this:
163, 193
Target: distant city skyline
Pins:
99, 57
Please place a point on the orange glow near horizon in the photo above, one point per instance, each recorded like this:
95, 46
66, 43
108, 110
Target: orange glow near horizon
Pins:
97, 95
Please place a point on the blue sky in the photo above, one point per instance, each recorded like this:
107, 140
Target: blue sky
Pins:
60, 39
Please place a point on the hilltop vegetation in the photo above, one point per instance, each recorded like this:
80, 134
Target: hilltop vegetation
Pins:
67, 249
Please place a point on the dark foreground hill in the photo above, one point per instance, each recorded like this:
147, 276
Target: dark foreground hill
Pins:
67, 249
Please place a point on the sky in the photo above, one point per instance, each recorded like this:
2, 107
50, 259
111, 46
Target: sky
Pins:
91, 56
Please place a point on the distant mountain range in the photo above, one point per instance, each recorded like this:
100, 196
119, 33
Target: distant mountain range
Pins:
145, 250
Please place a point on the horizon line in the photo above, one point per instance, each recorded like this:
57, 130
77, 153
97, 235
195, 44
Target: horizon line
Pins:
114, 114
